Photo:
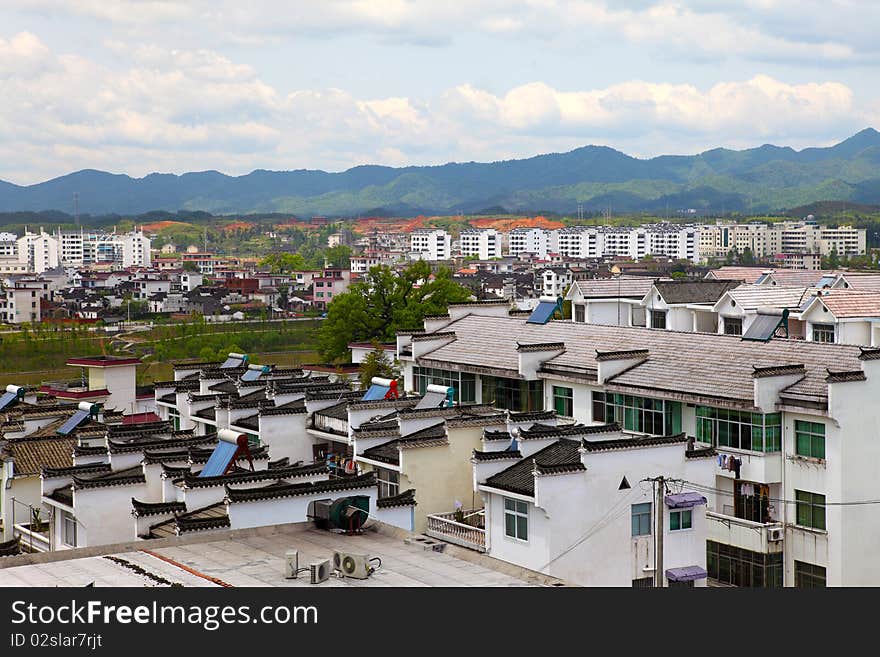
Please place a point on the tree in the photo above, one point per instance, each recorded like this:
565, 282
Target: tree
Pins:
338, 256
832, 261
383, 302
280, 263
377, 363
747, 257
190, 266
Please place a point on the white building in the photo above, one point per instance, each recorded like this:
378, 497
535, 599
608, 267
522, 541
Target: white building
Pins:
672, 240
39, 250
482, 243
529, 240
98, 248
431, 244
790, 237
8, 245
787, 427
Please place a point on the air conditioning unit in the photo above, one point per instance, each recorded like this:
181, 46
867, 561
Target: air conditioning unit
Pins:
320, 571
291, 564
775, 534
352, 565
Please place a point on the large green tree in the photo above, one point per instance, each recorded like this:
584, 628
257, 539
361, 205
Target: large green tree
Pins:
383, 302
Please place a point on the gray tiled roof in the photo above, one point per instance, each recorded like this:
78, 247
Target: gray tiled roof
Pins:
680, 363
701, 291
519, 478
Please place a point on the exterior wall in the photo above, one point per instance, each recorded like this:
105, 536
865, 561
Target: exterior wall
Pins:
398, 516
607, 312
25, 491
286, 436
853, 332
104, 514
285, 510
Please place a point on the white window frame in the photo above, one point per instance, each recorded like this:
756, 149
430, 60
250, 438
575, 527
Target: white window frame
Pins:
68, 521
384, 479
516, 513
679, 513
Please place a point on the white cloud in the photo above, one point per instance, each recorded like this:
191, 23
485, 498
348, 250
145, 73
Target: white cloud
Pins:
790, 30
180, 110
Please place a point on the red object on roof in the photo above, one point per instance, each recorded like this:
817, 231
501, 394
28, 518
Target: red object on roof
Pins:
140, 418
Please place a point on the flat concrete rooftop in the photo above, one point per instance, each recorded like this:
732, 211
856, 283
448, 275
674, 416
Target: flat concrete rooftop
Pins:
257, 559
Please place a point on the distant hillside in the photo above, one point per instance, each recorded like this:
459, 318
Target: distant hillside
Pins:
764, 179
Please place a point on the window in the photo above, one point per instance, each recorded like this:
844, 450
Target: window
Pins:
516, 519
740, 567
658, 319
513, 394
465, 384
810, 509
643, 583
68, 529
641, 519
580, 314
689, 584
389, 482
809, 576
733, 326
823, 332
598, 406
563, 401
681, 519
722, 427
643, 414
809, 439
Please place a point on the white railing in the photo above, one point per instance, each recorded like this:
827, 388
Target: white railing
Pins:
32, 541
470, 533
754, 536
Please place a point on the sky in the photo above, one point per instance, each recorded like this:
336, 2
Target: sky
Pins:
139, 86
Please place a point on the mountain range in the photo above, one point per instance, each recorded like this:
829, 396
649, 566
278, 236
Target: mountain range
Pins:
764, 179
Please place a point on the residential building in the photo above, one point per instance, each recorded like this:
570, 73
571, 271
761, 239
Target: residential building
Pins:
535, 241
685, 305
329, 285
39, 250
784, 424
672, 240
431, 244
483, 243
786, 239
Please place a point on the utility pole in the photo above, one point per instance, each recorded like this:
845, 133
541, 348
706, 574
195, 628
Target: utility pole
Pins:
660, 489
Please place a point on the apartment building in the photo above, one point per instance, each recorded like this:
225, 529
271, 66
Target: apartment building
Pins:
8, 245
535, 241
482, 243
671, 240
39, 250
94, 248
784, 240
432, 244
785, 425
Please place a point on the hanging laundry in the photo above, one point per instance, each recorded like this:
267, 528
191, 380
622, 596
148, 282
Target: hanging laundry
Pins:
736, 466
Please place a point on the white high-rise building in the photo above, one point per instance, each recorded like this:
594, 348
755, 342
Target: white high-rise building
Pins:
790, 237
529, 240
432, 244
99, 248
483, 243
671, 240
39, 251
8, 245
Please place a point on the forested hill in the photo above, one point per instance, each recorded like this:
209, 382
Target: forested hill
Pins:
764, 179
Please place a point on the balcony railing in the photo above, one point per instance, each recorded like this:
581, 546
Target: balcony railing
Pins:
30, 540
755, 536
470, 533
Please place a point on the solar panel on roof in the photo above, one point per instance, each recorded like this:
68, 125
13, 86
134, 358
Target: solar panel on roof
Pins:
234, 360
219, 459
543, 313
73, 422
432, 400
376, 392
763, 328
826, 280
6, 399
254, 372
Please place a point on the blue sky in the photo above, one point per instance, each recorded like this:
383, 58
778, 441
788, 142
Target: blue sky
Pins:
137, 86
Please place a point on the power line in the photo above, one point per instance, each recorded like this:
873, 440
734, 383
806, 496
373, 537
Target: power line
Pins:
704, 488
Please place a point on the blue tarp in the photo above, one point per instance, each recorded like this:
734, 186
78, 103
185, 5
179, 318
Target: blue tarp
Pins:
543, 313
73, 422
219, 459
686, 574
376, 392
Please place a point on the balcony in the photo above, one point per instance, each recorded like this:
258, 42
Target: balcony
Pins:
468, 531
754, 536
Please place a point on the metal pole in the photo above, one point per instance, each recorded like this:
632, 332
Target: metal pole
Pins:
659, 580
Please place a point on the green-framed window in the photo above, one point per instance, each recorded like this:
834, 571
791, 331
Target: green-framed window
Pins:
513, 394
658, 417
809, 439
563, 401
464, 383
723, 427
810, 509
